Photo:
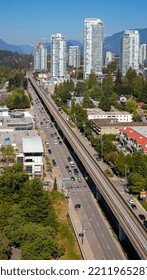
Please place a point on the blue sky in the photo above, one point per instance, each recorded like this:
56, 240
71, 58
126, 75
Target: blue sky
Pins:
31, 21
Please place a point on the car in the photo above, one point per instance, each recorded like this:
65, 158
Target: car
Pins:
60, 142
67, 167
47, 144
49, 151
69, 172
58, 138
54, 162
145, 224
55, 133
77, 206
80, 179
69, 159
52, 135
134, 207
56, 142
142, 217
76, 172
131, 201
97, 157
72, 178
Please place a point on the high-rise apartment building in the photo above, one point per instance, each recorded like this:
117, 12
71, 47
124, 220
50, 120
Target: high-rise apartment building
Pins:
129, 51
109, 57
40, 57
93, 46
74, 56
58, 56
142, 53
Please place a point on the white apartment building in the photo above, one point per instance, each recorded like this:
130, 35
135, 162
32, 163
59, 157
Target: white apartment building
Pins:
58, 56
109, 57
117, 115
40, 57
129, 51
142, 53
74, 56
93, 46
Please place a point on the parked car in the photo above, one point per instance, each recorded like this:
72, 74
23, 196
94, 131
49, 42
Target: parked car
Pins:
69, 159
142, 217
131, 201
54, 162
134, 207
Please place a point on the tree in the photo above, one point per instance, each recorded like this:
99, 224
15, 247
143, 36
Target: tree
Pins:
108, 85
105, 103
5, 250
55, 186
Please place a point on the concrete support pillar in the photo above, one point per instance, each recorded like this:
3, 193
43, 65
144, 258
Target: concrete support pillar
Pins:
98, 195
122, 235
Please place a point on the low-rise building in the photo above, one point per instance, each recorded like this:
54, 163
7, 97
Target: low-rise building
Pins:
97, 113
133, 140
32, 156
112, 126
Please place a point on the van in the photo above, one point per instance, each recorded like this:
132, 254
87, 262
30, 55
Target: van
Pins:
72, 164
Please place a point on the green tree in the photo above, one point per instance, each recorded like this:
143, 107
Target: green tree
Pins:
55, 186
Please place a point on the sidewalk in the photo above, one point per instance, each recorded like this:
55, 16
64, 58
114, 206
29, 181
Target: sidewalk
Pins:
85, 247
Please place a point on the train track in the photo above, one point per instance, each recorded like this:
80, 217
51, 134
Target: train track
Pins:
120, 208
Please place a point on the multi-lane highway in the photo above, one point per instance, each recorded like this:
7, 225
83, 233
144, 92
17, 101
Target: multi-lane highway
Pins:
134, 230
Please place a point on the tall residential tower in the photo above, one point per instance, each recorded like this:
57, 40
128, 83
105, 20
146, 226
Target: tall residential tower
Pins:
40, 57
58, 56
74, 56
129, 51
93, 46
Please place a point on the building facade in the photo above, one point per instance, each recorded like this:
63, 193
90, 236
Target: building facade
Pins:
74, 56
58, 56
99, 114
40, 57
93, 46
129, 51
142, 53
109, 57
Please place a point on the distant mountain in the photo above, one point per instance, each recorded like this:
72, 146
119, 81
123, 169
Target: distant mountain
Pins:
111, 43
9, 47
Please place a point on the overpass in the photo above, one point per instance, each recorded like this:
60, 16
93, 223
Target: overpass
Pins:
128, 222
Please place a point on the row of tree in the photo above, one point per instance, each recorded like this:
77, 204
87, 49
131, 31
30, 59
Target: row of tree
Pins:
27, 218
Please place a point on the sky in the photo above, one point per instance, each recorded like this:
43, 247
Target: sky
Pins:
33, 21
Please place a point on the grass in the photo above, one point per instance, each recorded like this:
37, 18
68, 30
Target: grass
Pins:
66, 234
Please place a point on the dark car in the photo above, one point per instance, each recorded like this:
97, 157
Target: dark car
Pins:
134, 207
145, 224
67, 167
77, 206
69, 172
76, 172
60, 142
69, 159
54, 162
49, 151
72, 178
142, 217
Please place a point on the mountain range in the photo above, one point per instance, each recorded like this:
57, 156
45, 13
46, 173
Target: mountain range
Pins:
111, 43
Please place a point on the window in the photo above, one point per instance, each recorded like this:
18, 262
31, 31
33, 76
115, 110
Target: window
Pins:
29, 168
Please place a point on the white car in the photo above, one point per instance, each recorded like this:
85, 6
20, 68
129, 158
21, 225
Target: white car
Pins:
56, 142
131, 201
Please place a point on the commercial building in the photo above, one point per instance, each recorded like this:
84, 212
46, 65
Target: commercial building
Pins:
40, 57
74, 56
93, 46
97, 113
58, 56
32, 156
129, 51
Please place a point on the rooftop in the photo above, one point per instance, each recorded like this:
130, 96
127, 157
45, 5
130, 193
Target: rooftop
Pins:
32, 144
